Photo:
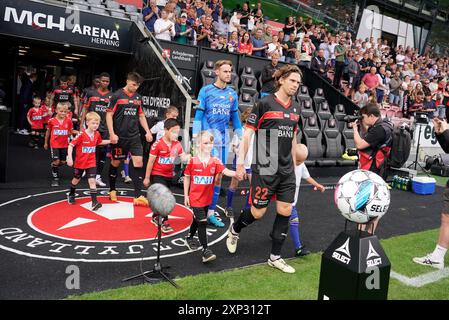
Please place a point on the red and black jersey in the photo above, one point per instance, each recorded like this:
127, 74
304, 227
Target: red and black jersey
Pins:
64, 94
165, 157
59, 132
202, 180
272, 120
85, 147
98, 102
36, 116
127, 107
86, 93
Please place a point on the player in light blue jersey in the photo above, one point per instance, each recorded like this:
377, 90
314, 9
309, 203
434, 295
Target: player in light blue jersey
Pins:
218, 107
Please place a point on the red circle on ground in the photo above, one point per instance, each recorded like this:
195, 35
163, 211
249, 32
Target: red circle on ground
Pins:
115, 222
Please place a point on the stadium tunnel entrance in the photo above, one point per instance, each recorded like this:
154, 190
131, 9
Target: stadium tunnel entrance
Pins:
50, 61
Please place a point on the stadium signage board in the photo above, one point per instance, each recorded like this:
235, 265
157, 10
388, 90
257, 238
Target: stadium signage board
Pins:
64, 25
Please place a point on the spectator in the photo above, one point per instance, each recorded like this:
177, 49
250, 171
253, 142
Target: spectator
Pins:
259, 46
246, 13
319, 64
206, 33
361, 97
217, 9
245, 46
233, 43
340, 56
221, 25
150, 15
305, 53
290, 46
274, 46
430, 108
199, 7
395, 85
268, 35
234, 23
289, 28
382, 86
163, 27
183, 32
268, 81
353, 71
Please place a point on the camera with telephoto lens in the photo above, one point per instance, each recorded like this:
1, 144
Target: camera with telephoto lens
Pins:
353, 118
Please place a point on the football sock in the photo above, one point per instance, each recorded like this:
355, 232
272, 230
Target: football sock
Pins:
274, 257
136, 176
112, 177
230, 197
55, 172
279, 233
126, 169
72, 189
439, 253
294, 229
93, 195
202, 235
244, 220
247, 205
213, 205
101, 159
193, 228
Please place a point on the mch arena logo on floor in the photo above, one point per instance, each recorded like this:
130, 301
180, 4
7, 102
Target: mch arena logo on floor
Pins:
44, 226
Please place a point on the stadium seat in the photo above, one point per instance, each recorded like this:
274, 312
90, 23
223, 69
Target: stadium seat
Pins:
348, 137
339, 114
323, 112
100, 9
247, 72
259, 81
112, 4
117, 14
130, 8
81, 6
207, 73
334, 148
299, 136
313, 140
318, 97
303, 94
234, 81
135, 16
245, 101
249, 85
94, 2
306, 111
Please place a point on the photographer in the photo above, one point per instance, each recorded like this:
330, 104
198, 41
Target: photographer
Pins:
373, 145
374, 141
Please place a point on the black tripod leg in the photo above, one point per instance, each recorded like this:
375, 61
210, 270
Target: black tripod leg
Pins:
136, 276
168, 279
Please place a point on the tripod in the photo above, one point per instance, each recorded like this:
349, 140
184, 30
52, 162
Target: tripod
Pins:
158, 270
416, 163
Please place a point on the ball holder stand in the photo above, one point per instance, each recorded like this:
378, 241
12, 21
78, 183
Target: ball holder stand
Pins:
421, 120
354, 267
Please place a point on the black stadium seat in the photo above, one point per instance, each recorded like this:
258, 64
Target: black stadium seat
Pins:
318, 97
334, 149
249, 85
323, 113
339, 114
312, 138
348, 137
245, 101
234, 81
247, 72
207, 73
303, 94
306, 110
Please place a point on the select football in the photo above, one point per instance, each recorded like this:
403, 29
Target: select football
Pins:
362, 195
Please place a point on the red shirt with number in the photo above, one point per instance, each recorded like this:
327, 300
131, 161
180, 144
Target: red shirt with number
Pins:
36, 116
59, 132
85, 147
165, 157
202, 180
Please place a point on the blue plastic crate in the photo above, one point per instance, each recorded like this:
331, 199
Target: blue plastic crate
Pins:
423, 185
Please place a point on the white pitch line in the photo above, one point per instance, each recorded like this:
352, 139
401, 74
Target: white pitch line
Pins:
421, 280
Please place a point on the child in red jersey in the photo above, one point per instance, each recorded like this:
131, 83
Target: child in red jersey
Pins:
161, 163
200, 175
35, 118
85, 143
46, 111
59, 128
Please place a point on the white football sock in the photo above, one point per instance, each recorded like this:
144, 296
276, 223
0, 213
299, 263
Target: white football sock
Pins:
438, 253
274, 257
210, 212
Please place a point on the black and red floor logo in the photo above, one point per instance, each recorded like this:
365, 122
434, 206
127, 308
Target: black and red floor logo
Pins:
44, 226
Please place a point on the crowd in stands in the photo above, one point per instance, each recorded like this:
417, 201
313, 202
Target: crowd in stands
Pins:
363, 69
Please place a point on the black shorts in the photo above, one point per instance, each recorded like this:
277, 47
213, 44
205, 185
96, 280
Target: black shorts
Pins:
58, 154
166, 181
90, 173
264, 188
446, 201
121, 149
200, 213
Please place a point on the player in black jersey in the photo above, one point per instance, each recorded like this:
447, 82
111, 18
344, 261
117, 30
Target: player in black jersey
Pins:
66, 94
274, 121
98, 101
93, 87
124, 114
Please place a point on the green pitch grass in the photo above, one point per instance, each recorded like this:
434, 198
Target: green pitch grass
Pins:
261, 282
